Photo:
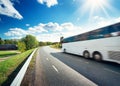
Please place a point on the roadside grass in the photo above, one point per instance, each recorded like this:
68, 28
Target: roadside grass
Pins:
8, 66
7, 53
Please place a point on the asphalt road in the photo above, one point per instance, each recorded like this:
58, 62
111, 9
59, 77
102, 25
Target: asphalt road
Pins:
60, 69
52, 72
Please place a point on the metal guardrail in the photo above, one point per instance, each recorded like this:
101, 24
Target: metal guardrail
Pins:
18, 79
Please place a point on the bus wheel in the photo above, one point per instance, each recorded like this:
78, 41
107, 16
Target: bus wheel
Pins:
97, 56
64, 50
86, 54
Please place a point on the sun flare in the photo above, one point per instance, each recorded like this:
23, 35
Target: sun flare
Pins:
95, 6
95, 3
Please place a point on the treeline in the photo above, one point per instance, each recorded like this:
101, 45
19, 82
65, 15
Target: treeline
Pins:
8, 41
28, 42
45, 43
23, 44
52, 44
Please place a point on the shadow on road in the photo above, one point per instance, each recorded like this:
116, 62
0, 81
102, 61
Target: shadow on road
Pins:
61, 56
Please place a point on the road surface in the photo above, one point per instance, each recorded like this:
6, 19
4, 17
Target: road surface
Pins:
52, 72
54, 68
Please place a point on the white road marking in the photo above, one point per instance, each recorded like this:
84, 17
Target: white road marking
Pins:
87, 62
111, 71
55, 68
47, 59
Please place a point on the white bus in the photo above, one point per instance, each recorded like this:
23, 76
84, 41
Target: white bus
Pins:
99, 44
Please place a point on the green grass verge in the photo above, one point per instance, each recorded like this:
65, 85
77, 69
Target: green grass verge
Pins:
9, 65
7, 53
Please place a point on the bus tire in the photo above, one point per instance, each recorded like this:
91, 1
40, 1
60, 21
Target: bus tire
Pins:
86, 54
64, 50
97, 56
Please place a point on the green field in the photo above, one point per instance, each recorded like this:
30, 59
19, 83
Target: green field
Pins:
9, 65
7, 53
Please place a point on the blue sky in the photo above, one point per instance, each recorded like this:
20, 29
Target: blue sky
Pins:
50, 19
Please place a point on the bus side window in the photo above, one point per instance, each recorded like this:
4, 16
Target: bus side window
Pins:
105, 32
96, 34
119, 33
77, 38
115, 30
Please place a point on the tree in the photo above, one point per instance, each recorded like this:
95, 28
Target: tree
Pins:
7, 41
49, 43
30, 41
21, 46
1, 41
42, 43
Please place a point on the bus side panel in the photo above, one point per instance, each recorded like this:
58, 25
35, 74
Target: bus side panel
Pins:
102, 45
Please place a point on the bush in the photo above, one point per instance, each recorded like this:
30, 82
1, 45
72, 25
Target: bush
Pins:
56, 45
21, 46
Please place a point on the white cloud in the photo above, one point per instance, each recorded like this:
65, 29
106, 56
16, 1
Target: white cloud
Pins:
27, 25
36, 29
15, 32
117, 19
68, 26
46, 32
49, 3
54, 37
53, 31
98, 18
19, 32
52, 26
6, 8
98, 21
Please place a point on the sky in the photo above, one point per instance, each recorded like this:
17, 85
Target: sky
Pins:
48, 20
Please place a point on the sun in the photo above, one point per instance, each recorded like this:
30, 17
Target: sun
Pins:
95, 3
92, 7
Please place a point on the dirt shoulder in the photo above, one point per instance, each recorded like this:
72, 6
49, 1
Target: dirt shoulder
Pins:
29, 77
34, 75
